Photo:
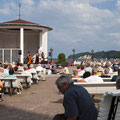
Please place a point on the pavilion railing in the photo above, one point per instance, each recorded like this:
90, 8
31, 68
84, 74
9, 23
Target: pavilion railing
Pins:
9, 55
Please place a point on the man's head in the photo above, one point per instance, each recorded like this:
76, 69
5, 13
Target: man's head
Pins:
75, 72
5, 66
15, 68
118, 82
82, 67
86, 74
11, 71
106, 71
63, 83
94, 71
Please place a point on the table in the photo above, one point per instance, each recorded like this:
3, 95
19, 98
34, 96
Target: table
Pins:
19, 76
11, 83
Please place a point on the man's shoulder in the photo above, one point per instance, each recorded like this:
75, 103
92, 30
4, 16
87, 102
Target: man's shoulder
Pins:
74, 90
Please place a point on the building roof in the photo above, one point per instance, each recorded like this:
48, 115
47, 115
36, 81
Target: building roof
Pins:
20, 22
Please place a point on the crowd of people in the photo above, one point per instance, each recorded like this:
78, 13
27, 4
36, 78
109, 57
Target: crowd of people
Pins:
77, 102
94, 71
10, 71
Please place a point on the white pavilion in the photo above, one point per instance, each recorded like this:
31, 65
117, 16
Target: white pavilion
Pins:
18, 37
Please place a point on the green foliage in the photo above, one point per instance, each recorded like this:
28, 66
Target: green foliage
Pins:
62, 59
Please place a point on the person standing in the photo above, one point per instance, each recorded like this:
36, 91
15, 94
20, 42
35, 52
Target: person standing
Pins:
29, 58
77, 102
37, 58
43, 58
1, 90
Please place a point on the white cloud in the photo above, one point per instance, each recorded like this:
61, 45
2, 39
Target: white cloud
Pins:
118, 4
75, 23
4, 11
28, 2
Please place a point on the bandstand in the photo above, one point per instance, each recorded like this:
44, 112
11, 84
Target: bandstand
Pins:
19, 36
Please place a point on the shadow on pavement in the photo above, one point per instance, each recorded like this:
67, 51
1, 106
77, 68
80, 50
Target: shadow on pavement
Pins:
58, 101
10, 113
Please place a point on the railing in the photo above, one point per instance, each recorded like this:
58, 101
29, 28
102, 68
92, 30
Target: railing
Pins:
9, 55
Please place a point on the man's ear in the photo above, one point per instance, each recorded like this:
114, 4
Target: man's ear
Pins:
65, 85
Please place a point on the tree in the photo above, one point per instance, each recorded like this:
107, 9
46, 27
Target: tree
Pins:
62, 59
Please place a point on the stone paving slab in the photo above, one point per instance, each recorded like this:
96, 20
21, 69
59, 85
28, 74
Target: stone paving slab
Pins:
40, 102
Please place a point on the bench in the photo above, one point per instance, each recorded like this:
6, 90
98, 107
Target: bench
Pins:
109, 107
105, 79
97, 88
24, 78
10, 83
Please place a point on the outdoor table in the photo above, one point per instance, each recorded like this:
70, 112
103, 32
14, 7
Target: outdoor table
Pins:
25, 76
11, 83
34, 73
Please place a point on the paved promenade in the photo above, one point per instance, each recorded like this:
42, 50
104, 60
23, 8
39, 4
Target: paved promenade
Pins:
40, 102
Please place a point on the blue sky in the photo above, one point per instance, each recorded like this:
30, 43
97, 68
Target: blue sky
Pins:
80, 24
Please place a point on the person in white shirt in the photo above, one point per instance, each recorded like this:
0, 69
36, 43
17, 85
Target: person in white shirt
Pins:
39, 68
94, 78
82, 71
88, 68
6, 69
20, 67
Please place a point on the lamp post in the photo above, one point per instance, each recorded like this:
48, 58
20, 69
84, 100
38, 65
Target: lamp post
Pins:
92, 52
73, 54
51, 50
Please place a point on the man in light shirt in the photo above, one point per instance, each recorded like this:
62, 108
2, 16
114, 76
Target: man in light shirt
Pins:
94, 78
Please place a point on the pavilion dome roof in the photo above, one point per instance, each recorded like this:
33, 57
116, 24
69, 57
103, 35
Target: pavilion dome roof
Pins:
20, 22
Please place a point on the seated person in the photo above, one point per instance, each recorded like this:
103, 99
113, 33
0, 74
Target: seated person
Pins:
54, 70
118, 82
1, 88
100, 68
28, 66
115, 76
88, 67
6, 69
86, 74
77, 102
81, 71
39, 67
11, 75
115, 67
20, 67
64, 70
106, 73
15, 69
27, 72
75, 74
93, 78
1, 71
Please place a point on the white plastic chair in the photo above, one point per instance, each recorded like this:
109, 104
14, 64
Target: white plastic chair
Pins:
109, 108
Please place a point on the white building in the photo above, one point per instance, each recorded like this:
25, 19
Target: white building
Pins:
21, 36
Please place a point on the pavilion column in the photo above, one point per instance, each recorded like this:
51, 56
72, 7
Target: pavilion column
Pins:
40, 42
22, 45
43, 43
